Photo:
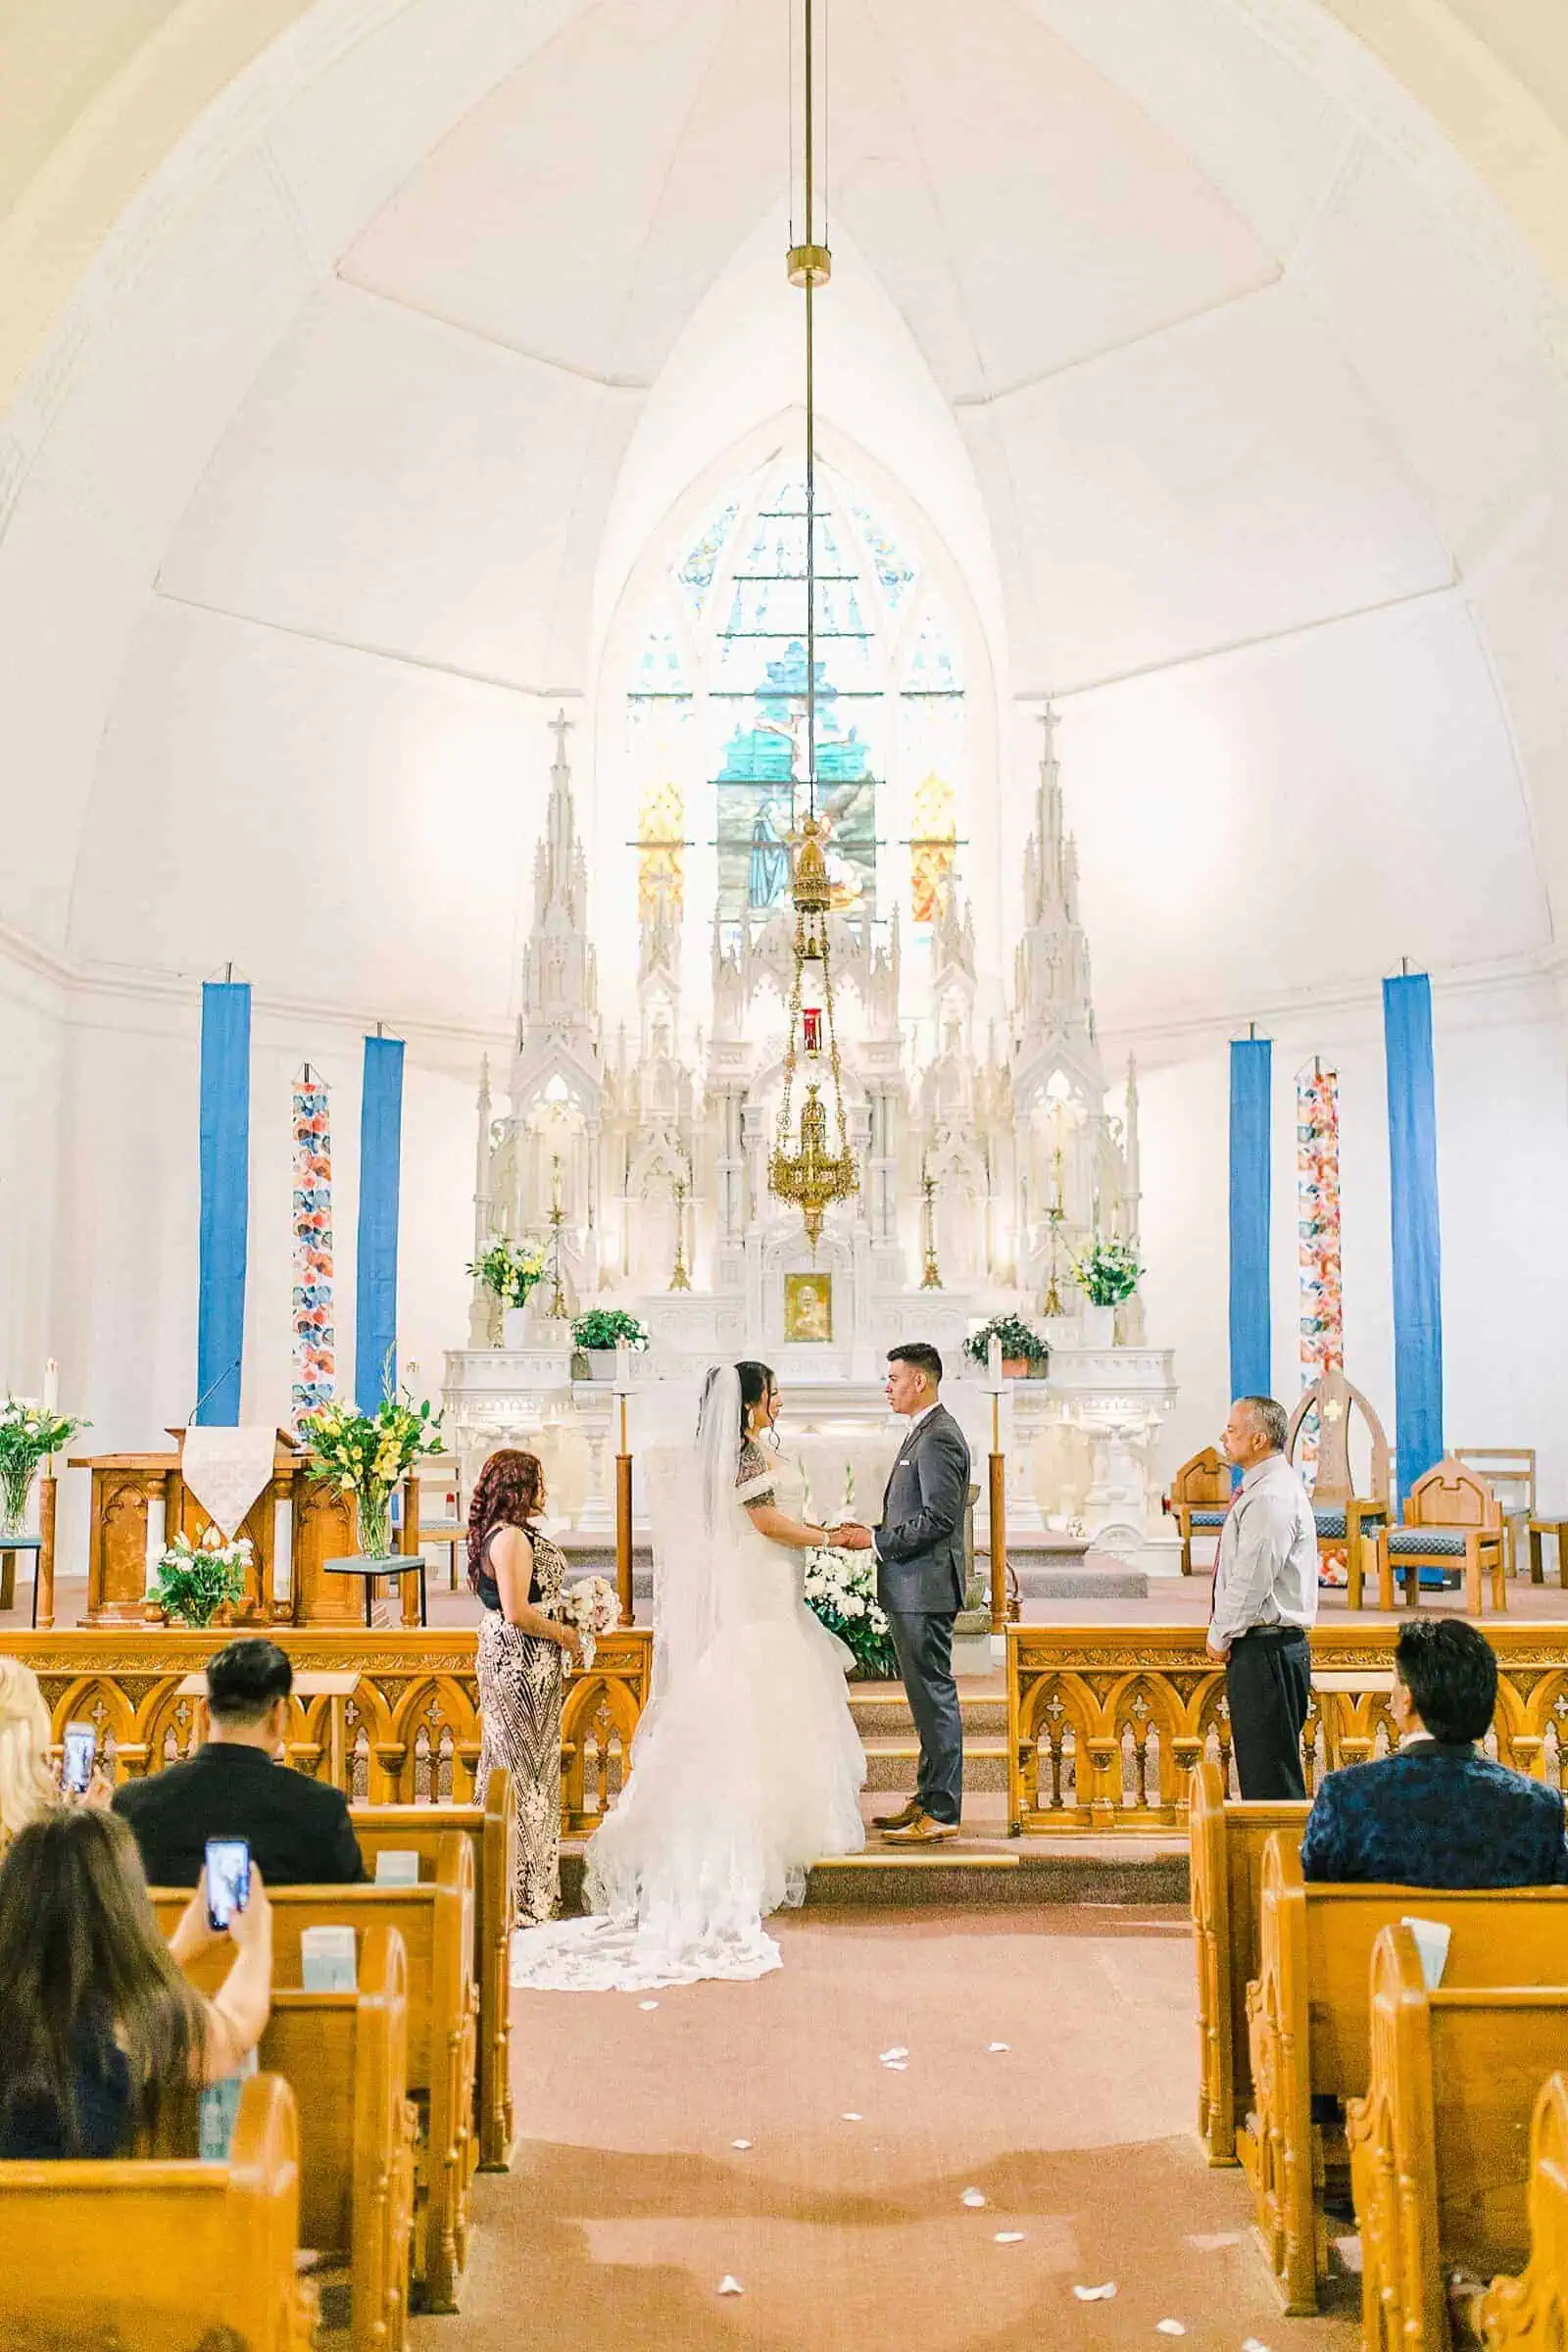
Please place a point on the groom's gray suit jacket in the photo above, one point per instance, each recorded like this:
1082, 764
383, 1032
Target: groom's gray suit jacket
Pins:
919, 1543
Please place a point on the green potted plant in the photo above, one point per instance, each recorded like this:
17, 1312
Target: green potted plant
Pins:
597, 1332
506, 1272
367, 1454
1107, 1273
1024, 1353
30, 1432
197, 1581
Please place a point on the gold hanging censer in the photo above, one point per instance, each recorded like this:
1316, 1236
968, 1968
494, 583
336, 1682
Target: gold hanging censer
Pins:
806, 1169
807, 1172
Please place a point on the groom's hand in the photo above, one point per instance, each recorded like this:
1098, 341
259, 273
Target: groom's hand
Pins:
850, 1535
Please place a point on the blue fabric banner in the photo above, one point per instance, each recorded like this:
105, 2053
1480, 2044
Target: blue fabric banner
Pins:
1252, 1338
1414, 1206
225, 1201
375, 1327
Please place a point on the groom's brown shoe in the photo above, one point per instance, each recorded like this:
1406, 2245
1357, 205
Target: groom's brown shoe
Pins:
902, 1818
923, 1831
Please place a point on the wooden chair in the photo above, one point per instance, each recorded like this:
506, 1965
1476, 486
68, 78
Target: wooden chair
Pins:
1198, 1499
436, 1922
346, 2056
163, 2253
1452, 1518
492, 1832
1555, 1525
1440, 2165
1308, 2014
1510, 1472
442, 1515
1227, 1841
1342, 1517
1530, 2311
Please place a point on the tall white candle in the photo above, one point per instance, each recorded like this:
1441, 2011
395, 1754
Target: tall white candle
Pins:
51, 1387
622, 1365
993, 1361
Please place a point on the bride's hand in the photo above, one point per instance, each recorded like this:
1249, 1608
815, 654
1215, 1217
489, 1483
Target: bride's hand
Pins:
570, 1640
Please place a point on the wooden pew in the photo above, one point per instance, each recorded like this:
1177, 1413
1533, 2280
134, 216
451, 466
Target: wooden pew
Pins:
492, 1832
436, 1922
163, 2253
1439, 2146
1531, 2310
346, 2056
1227, 1841
1308, 2019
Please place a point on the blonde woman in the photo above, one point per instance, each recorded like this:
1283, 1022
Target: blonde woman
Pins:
27, 1785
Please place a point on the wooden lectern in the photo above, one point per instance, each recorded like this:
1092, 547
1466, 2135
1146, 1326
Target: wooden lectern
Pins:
322, 1523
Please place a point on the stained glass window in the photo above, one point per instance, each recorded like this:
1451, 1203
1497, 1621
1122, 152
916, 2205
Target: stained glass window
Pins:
933, 848
717, 706
661, 851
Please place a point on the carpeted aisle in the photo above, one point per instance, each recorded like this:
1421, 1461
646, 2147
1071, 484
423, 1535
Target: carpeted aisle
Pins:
628, 2204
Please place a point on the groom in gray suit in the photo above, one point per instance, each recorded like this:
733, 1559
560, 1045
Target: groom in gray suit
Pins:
919, 1553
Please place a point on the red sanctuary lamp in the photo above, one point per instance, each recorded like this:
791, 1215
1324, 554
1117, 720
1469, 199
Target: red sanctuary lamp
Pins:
812, 1028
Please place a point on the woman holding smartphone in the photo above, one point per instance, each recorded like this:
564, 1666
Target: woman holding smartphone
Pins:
99, 2029
518, 1573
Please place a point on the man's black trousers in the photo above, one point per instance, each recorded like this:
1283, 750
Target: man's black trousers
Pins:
1267, 1682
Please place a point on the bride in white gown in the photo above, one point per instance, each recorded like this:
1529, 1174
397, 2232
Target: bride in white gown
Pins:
747, 1767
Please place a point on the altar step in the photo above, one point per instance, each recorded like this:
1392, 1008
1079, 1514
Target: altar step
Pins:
981, 1869
1083, 1580
892, 1763
880, 1710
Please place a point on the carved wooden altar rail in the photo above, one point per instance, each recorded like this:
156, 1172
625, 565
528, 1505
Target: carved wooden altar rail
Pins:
1105, 1725
409, 1735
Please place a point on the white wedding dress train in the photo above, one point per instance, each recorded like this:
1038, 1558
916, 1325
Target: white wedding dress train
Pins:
746, 1769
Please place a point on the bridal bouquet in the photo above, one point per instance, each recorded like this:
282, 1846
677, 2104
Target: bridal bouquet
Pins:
590, 1607
841, 1586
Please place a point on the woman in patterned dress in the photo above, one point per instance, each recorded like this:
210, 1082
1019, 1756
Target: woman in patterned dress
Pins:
517, 1575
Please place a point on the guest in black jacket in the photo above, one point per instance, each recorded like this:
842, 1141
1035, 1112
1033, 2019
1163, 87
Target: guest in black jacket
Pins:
1439, 1812
298, 1830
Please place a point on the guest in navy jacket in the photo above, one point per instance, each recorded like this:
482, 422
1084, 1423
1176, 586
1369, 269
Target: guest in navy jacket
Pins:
1439, 1812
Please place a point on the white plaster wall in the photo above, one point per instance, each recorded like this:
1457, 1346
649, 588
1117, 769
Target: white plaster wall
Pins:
30, 1049
1501, 1070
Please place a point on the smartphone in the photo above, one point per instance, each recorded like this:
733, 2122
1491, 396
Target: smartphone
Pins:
228, 1879
82, 1754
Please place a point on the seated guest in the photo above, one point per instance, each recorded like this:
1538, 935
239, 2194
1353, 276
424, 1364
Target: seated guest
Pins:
1438, 1812
99, 2030
27, 1786
298, 1830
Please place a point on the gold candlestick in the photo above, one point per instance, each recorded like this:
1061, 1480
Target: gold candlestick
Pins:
1052, 1300
679, 1279
931, 1278
558, 1218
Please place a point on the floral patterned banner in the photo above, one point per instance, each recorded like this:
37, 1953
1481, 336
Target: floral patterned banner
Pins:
1318, 1211
315, 1342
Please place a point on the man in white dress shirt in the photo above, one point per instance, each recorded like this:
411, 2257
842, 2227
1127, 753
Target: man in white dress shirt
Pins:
1265, 1602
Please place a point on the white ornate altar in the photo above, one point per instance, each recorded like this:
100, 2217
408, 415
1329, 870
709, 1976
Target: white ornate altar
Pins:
643, 1169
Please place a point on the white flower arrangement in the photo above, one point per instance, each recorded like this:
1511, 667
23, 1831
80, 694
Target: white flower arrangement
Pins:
196, 1579
592, 1607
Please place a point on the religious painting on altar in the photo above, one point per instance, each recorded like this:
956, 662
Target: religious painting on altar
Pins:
808, 1307
762, 797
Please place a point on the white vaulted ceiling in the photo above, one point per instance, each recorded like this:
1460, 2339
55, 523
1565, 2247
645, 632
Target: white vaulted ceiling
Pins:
1228, 392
